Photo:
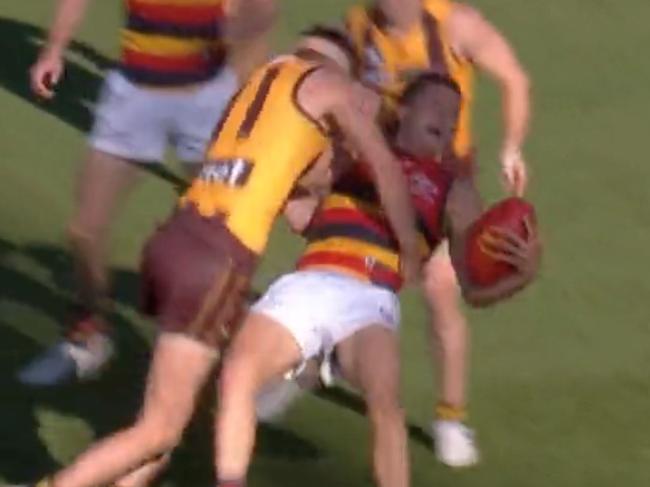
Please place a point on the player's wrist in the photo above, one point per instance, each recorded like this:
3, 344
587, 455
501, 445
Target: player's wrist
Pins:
53, 50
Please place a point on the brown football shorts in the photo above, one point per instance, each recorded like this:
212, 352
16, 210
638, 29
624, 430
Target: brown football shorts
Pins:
196, 277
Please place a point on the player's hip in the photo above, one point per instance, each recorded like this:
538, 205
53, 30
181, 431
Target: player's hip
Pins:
196, 276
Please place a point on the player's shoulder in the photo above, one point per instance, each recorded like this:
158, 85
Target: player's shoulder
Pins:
323, 80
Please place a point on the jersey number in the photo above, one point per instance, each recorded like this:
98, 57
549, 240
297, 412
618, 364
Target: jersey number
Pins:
256, 105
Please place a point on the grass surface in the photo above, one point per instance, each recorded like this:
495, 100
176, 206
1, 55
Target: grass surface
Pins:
560, 379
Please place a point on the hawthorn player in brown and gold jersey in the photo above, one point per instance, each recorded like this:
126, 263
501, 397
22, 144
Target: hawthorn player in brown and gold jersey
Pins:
197, 267
394, 39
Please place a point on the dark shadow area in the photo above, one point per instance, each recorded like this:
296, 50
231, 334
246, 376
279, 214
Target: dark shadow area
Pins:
349, 400
20, 44
106, 404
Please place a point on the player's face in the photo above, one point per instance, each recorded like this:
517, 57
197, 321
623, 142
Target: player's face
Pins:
428, 121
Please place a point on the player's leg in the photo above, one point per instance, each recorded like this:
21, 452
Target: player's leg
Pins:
146, 474
129, 126
454, 442
179, 369
369, 359
261, 351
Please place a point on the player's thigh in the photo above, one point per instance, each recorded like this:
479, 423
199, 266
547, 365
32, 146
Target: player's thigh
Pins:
103, 182
369, 360
197, 115
179, 369
261, 350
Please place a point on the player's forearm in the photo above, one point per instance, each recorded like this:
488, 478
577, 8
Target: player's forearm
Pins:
299, 212
67, 18
393, 192
480, 297
516, 103
476, 296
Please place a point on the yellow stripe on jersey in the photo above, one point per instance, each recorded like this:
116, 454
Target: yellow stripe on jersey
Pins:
161, 45
336, 200
356, 248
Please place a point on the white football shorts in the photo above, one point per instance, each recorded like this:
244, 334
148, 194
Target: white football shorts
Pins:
139, 123
321, 309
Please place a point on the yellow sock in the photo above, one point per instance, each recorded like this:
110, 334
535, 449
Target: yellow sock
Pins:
447, 412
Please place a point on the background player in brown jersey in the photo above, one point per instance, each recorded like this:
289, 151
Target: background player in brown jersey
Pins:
343, 297
395, 38
197, 266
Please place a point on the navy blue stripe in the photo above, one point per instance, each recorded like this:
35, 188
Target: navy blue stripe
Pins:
156, 78
209, 30
353, 231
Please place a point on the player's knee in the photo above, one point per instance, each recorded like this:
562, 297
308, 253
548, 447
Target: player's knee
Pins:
440, 279
161, 433
384, 406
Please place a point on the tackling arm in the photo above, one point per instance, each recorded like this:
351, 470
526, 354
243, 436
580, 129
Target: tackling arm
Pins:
367, 139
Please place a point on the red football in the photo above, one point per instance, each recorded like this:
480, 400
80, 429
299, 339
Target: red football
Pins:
509, 214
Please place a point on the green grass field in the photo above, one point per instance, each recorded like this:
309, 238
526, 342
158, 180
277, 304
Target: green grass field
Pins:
561, 375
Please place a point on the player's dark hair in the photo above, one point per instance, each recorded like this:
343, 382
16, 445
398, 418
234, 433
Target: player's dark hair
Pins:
425, 79
337, 37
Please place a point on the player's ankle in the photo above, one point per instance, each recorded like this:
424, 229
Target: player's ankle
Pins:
445, 411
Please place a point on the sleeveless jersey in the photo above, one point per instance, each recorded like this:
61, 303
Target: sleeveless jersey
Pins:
172, 43
351, 234
263, 145
389, 61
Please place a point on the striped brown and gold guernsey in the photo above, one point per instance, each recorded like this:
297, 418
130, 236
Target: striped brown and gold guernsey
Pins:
263, 146
389, 62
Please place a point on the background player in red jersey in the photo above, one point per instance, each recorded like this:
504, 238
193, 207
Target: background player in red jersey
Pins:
343, 296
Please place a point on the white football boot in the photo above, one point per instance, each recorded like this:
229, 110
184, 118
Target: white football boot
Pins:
69, 361
454, 444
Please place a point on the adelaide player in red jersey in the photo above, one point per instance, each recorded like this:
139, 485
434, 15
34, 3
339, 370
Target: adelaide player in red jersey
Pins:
343, 297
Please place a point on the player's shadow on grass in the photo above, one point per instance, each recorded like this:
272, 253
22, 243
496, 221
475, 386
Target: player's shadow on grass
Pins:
103, 405
20, 43
353, 402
